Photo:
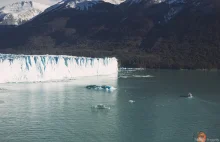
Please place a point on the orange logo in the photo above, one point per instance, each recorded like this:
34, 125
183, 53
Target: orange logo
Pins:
201, 137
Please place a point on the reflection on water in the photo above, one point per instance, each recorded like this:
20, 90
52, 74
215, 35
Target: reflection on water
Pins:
54, 111
62, 111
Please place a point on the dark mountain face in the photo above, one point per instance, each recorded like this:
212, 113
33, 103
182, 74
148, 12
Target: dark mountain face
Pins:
5, 28
144, 34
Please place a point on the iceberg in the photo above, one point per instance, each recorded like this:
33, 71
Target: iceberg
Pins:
101, 106
103, 87
35, 68
131, 101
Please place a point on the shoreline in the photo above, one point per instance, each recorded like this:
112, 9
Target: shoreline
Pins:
139, 69
121, 62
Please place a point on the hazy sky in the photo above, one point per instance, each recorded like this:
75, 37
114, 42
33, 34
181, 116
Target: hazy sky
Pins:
6, 2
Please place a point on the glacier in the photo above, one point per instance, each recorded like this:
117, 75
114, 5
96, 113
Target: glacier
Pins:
35, 68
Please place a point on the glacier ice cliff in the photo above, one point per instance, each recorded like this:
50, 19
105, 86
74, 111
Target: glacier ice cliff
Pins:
33, 68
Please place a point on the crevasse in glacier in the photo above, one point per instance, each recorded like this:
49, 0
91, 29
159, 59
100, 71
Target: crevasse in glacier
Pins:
31, 68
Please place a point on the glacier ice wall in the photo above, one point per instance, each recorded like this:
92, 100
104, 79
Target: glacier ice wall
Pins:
32, 68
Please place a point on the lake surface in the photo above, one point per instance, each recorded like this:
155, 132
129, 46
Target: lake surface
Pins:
61, 111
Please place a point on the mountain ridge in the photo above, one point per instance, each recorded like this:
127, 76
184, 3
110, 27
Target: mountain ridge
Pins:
20, 12
139, 35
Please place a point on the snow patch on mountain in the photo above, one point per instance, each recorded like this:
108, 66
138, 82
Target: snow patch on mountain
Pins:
172, 13
139, 1
175, 1
20, 12
175, 7
80, 4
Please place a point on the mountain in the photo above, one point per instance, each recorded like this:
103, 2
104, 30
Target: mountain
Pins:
80, 4
140, 33
20, 12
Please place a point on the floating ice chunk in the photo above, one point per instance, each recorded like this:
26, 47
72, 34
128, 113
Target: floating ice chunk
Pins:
187, 96
131, 69
101, 106
131, 101
135, 76
103, 87
190, 95
142, 76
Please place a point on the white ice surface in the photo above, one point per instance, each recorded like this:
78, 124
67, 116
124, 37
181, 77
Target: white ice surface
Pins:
32, 68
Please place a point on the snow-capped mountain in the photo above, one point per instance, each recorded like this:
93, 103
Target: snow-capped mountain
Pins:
151, 2
81, 4
77, 4
20, 12
148, 33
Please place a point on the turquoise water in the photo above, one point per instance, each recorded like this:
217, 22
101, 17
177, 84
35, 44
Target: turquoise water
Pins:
61, 111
